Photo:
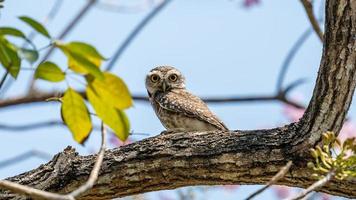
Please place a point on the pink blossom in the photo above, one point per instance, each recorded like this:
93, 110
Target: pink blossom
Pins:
118, 143
324, 196
292, 113
250, 3
347, 131
230, 187
281, 192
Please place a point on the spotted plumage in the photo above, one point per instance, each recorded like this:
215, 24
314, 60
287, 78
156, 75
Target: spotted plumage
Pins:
177, 109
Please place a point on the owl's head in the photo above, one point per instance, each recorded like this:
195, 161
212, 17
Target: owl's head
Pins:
164, 78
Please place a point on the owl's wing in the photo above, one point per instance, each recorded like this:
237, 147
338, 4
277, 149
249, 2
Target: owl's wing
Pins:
181, 101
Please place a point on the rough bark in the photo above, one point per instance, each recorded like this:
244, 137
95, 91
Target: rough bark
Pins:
217, 158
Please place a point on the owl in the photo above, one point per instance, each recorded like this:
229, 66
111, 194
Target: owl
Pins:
177, 109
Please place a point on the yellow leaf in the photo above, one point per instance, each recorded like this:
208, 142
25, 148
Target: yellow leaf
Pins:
113, 90
112, 117
49, 71
75, 115
82, 57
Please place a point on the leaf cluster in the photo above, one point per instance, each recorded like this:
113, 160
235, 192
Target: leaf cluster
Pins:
106, 92
334, 156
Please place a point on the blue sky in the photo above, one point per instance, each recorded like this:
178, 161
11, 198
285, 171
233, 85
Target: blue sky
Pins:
222, 48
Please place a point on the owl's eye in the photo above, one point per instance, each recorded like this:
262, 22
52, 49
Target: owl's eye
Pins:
154, 78
173, 77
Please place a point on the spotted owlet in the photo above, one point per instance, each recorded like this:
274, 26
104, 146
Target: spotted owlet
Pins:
177, 109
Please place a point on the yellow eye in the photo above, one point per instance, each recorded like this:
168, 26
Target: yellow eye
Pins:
173, 77
154, 78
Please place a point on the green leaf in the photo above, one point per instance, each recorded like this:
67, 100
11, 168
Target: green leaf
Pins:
113, 90
35, 25
75, 115
12, 31
9, 57
86, 49
112, 117
29, 55
81, 62
49, 71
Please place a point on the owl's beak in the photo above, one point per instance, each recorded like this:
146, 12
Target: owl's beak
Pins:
164, 86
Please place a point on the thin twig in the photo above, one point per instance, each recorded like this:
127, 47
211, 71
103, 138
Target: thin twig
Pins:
32, 192
315, 186
281, 96
110, 6
36, 193
50, 16
22, 127
71, 25
291, 54
274, 180
65, 32
308, 6
3, 79
24, 156
40, 98
135, 32
95, 172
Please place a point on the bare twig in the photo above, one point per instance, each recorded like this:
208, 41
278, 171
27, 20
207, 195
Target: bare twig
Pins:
114, 7
65, 32
308, 6
51, 14
36, 193
40, 98
315, 186
71, 25
24, 156
274, 180
281, 96
22, 127
95, 172
3, 79
135, 32
291, 53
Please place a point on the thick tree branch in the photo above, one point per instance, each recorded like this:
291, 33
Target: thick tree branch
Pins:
216, 158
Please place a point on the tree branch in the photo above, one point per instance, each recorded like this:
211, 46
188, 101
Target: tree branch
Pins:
230, 157
308, 6
3, 79
37, 193
140, 26
41, 97
65, 32
71, 25
22, 127
24, 156
290, 55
